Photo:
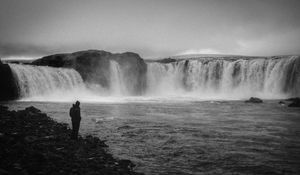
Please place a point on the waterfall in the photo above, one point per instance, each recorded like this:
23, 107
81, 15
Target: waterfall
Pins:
266, 78
204, 78
164, 79
117, 80
36, 81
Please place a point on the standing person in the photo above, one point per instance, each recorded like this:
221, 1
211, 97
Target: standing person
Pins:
76, 117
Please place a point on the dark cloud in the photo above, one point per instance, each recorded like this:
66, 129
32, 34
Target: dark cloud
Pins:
23, 50
151, 28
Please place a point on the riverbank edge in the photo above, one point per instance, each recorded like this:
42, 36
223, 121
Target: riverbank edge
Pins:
33, 143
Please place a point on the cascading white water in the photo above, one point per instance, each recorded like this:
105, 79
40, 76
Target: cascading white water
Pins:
36, 81
117, 84
164, 79
230, 79
194, 79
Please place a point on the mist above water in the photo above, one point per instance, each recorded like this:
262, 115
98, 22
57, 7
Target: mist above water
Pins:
203, 79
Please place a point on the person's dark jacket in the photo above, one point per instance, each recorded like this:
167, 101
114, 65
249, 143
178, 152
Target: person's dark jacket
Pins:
75, 113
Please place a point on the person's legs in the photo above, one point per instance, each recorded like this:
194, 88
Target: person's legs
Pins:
73, 129
76, 129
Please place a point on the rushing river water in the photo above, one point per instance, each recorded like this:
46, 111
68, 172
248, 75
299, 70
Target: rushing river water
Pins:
192, 137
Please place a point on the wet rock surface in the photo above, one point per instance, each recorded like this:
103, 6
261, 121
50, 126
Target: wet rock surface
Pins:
8, 87
33, 143
295, 102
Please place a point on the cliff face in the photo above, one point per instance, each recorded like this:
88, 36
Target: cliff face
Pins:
8, 87
94, 67
134, 71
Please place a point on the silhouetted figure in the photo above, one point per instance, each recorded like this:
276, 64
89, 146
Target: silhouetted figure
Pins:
75, 116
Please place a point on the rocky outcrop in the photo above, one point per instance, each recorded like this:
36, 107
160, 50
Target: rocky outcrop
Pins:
8, 87
94, 67
134, 71
282, 103
165, 60
57, 60
33, 143
254, 100
295, 102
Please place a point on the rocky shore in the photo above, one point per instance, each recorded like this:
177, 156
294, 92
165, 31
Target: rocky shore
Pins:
33, 143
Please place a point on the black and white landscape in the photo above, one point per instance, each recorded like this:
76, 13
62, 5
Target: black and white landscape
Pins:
166, 85
97, 76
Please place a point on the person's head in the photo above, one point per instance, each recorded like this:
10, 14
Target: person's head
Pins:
77, 103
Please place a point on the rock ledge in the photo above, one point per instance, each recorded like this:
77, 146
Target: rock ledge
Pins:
33, 143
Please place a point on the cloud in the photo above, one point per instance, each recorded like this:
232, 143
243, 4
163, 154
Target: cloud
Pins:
199, 51
22, 50
150, 28
287, 43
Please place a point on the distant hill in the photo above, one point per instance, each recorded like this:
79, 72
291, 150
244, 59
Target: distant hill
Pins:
18, 61
212, 57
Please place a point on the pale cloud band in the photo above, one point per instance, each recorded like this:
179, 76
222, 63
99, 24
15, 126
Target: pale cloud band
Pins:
150, 28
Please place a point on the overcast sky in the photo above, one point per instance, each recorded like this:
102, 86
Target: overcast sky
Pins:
152, 28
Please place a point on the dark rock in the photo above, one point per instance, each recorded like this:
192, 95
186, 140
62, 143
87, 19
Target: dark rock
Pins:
254, 100
49, 137
166, 60
186, 75
281, 103
3, 172
32, 109
30, 138
8, 86
126, 164
94, 67
33, 143
94, 141
295, 102
292, 80
293, 99
134, 69
3, 108
57, 60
